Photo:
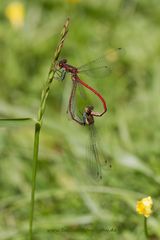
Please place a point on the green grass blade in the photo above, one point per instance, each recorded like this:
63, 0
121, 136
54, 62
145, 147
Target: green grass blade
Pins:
16, 122
34, 171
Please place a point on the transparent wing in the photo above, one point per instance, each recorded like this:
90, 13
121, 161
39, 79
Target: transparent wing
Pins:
96, 160
104, 64
93, 158
75, 109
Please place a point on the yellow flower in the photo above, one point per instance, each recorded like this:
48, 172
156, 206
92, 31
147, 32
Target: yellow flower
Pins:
144, 206
15, 13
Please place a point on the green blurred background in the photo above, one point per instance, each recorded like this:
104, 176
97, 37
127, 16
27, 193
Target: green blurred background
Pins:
70, 204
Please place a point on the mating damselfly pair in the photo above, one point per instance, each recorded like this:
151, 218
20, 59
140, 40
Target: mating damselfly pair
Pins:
105, 64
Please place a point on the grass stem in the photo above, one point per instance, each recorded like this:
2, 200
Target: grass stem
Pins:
146, 228
34, 171
38, 125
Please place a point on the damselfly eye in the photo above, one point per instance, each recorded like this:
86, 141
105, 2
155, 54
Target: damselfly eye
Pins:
62, 62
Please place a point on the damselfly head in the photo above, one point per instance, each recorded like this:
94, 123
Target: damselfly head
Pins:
89, 109
62, 62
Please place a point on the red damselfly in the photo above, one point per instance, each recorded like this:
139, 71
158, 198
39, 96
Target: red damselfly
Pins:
106, 62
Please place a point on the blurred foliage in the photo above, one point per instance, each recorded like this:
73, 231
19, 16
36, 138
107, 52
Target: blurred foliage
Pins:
68, 201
